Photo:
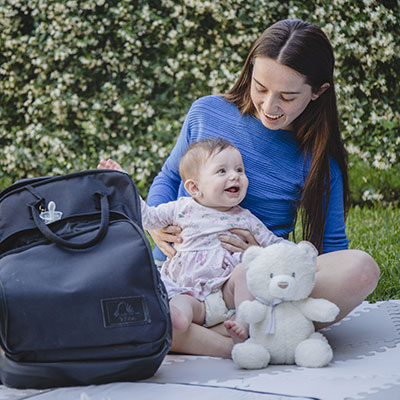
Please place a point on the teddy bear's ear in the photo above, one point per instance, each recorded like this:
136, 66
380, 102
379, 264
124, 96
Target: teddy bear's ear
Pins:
250, 254
308, 247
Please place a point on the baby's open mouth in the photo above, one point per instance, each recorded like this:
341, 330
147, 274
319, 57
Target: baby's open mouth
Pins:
232, 189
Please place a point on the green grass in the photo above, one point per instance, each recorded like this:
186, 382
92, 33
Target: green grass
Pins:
377, 232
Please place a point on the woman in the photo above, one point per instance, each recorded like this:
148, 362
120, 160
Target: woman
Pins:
282, 116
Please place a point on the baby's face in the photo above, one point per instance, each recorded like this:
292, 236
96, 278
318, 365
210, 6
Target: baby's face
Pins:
222, 181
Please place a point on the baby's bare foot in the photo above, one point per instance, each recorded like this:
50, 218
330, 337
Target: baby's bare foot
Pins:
238, 330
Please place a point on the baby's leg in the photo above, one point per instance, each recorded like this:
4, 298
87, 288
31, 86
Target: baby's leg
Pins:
186, 309
235, 291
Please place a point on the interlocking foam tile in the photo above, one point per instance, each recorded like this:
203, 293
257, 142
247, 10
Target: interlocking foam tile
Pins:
365, 331
150, 391
387, 392
365, 367
14, 394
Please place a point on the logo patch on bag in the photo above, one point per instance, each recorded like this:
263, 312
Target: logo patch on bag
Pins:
125, 311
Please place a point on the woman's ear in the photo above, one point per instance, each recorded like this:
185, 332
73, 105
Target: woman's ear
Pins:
321, 90
192, 188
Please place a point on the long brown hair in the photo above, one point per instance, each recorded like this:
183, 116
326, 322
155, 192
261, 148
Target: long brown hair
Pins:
305, 48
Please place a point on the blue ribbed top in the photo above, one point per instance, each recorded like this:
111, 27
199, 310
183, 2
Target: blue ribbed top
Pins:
274, 165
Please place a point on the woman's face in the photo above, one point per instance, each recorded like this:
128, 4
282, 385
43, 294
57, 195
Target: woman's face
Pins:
279, 93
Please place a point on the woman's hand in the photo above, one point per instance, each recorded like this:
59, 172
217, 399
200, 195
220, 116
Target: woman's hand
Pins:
110, 164
164, 238
238, 244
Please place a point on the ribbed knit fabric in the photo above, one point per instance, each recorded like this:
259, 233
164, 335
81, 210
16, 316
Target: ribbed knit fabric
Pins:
273, 162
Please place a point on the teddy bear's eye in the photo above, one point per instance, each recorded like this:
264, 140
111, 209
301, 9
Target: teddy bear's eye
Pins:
271, 275
294, 274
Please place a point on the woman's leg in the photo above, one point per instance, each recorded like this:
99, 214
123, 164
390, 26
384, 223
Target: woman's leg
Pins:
186, 309
346, 278
343, 277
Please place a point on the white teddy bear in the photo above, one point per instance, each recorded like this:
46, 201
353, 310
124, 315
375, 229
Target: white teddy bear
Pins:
281, 331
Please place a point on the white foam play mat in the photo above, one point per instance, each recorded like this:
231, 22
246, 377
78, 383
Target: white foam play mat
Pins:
366, 366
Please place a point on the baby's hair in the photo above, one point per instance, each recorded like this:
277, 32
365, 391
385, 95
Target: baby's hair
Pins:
198, 153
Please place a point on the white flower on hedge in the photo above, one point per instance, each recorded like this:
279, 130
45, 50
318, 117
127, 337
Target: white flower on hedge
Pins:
391, 157
162, 152
374, 117
365, 155
352, 148
172, 34
118, 108
74, 100
371, 195
84, 60
180, 75
72, 4
149, 112
173, 63
96, 106
229, 14
380, 163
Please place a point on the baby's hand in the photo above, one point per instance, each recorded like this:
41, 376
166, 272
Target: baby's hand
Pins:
110, 164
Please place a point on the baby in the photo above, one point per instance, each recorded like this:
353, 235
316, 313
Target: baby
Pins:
201, 279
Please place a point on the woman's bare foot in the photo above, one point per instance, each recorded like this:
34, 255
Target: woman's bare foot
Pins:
110, 164
238, 330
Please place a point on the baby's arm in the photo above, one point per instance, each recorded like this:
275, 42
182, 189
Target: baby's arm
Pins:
261, 233
157, 217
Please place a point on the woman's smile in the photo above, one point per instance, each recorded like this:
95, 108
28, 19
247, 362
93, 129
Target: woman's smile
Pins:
279, 94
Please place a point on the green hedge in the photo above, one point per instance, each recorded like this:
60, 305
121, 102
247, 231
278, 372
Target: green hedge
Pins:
80, 80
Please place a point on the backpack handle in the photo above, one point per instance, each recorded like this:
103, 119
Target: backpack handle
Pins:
53, 237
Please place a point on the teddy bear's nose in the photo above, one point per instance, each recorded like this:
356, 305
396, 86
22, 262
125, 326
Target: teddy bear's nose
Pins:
283, 285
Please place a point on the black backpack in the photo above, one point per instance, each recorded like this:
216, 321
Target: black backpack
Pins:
81, 301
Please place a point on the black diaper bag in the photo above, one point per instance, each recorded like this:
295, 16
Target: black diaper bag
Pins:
81, 301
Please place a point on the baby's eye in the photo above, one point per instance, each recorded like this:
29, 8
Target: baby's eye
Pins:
240, 170
221, 171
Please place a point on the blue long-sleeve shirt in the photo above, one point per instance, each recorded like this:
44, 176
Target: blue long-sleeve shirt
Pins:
273, 162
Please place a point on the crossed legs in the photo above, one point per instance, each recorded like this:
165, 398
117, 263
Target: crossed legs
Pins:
344, 277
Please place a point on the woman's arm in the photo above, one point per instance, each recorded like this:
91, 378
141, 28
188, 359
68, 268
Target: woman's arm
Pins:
335, 237
334, 234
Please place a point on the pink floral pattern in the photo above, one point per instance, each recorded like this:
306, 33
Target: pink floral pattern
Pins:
201, 265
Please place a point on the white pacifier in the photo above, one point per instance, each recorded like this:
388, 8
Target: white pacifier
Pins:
51, 215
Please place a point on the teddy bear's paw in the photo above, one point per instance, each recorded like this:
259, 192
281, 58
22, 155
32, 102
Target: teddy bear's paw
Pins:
329, 311
313, 353
250, 355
